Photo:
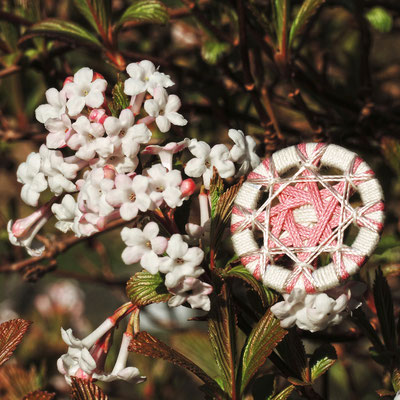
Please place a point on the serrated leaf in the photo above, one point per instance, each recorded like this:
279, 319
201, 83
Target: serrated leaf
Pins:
97, 13
292, 351
212, 51
144, 288
384, 308
222, 334
222, 215
259, 345
120, 100
216, 190
62, 30
146, 344
11, 334
361, 320
86, 390
267, 296
322, 359
146, 10
39, 395
380, 19
307, 10
396, 379
284, 394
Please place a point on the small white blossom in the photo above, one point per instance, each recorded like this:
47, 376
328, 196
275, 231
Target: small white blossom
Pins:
60, 129
243, 152
84, 91
143, 76
34, 181
136, 135
165, 186
397, 397
116, 128
207, 158
55, 108
143, 246
192, 290
164, 109
119, 161
130, 195
65, 213
181, 261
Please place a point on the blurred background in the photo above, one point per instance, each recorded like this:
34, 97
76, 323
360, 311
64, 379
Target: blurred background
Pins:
336, 79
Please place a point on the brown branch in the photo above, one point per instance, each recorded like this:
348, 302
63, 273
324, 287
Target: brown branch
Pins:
9, 70
14, 19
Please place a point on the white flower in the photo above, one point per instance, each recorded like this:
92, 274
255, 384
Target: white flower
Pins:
181, 261
243, 151
116, 128
143, 76
86, 139
192, 290
58, 171
119, 161
136, 135
65, 213
144, 246
164, 109
83, 91
54, 109
166, 152
34, 181
60, 130
397, 397
130, 194
22, 232
311, 312
120, 370
207, 158
165, 186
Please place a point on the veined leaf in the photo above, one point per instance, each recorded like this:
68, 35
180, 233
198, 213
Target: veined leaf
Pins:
216, 190
307, 10
144, 288
120, 100
11, 334
384, 308
322, 359
281, 15
212, 51
39, 395
62, 30
145, 10
267, 296
396, 379
222, 334
96, 12
86, 390
380, 19
146, 344
284, 394
260, 343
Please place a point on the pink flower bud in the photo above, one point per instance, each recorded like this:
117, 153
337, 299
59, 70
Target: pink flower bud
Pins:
98, 115
96, 75
68, 79
187, 187
109, 172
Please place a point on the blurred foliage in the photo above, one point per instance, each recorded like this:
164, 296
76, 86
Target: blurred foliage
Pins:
284, 71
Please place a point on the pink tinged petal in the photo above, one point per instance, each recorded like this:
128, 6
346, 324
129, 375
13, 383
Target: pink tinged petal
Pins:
150, 262
199, 149
152, 107
132, 255
163, 123
176, 119
195, 167
177, 248
99, 84
112, 126
133, 87
128, 211
116, 197
75, 105
151, 230
159, 244
94, 99
83, 76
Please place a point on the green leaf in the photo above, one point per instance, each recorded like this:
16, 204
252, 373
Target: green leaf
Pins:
62, 30
384, 308
222, 334
292, 351
11, 334
380, 19
284, 394
267, 296
144, 288
97, 13
147, 11
212, 51
86, 390
281, 12
396, 379
322, 359
260, 343
307, 10
120, 100
216, 190
146, 344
